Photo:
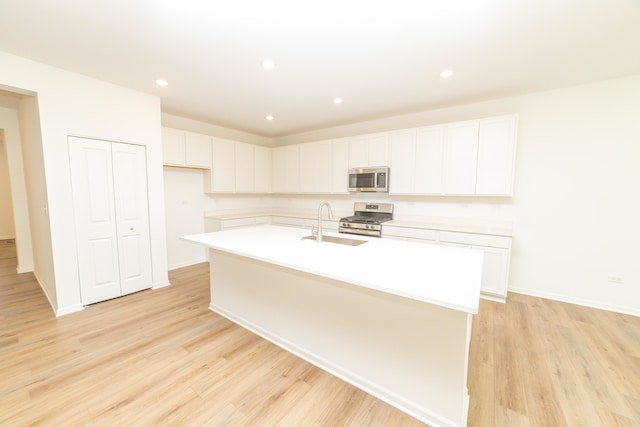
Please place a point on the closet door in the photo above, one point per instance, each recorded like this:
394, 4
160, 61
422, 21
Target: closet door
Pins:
132, 216
109, 183
93, 200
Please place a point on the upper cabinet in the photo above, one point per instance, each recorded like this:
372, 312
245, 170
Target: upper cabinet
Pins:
222, 177
286, 169
316, 160
369, 150
471, 158
262, 169
461, 153
186, 149
340, 166
245, 169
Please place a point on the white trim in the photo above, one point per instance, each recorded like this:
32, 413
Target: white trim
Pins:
27, 269
187, 263
161, 285
69, 309
579, 301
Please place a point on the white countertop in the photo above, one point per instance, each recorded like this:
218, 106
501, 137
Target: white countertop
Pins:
440, 275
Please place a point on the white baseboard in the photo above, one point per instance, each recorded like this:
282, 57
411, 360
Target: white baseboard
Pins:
21, 269
161, 285
69, 309
187, 263
579, 301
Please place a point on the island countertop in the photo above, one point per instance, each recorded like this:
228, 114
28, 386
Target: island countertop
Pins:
441, 275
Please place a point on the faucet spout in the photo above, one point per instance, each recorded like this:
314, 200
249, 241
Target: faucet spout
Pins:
330, 212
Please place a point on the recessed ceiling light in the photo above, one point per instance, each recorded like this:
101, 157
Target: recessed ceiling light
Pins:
446, 74
269, 118
337, 100
162, 82
268, 64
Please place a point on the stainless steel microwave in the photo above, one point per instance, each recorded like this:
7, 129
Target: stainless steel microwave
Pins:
369, 179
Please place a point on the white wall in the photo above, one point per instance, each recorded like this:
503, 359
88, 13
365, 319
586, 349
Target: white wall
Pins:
13, 144
185, 206
7, 225
72, 104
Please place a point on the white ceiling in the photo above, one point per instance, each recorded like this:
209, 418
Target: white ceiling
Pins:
383, 57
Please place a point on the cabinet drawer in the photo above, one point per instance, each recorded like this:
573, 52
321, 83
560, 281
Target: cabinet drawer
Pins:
414, 233
475, 239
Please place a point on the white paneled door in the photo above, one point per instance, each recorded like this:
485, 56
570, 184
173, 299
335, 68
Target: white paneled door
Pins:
109, 182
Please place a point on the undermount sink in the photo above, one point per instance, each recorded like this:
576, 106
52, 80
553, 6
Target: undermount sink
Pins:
339, 240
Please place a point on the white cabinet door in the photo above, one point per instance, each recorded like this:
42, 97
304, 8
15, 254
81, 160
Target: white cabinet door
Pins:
173, 149
369, 150
495, 271
244, 168
286, 169
461, 150
110, 203
315, 167
197, 150
496, 149
359, 151
429, 160
222, 177
132, 216
262, 169
402, 173
379, 149
340, 171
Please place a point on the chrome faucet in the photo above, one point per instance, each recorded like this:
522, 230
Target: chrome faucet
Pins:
319, 235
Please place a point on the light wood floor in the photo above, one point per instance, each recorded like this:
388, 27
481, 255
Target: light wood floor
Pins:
161, 358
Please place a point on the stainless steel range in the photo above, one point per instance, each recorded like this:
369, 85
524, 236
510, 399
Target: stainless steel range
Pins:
367, 219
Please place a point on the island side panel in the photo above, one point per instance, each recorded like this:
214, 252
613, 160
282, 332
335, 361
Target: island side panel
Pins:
410, 354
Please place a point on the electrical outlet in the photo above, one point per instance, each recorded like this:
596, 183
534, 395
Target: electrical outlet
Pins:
616, 279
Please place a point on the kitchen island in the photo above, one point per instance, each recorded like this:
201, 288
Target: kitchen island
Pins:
390, 317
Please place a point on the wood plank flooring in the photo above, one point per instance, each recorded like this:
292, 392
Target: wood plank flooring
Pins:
162, 358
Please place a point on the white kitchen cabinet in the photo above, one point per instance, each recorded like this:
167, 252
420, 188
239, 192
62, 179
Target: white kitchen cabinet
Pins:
429, 160
496, 155
197, 150
340, 169
379, 149
186, 149
262, 169
222, 177
216, 224
497, 252
417, 161
286, 169
173, 150
244, 168
315, 167
369, 150
109, 185
403, 162
290, 221
406, 233
461, 151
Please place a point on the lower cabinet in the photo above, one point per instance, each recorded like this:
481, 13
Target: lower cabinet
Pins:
497, 253
215, 224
